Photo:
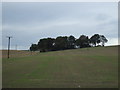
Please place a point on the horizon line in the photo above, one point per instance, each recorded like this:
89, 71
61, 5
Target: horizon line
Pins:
79, 48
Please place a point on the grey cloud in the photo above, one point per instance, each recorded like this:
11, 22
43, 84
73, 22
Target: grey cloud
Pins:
28, 22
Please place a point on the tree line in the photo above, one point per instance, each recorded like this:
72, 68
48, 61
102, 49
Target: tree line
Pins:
68, 42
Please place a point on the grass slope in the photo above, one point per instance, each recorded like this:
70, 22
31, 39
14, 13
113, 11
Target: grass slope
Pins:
16, 53
84, 68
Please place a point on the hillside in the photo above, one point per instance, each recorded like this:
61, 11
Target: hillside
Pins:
17, 53
77, 68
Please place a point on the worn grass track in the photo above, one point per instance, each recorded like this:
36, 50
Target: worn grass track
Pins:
84, 68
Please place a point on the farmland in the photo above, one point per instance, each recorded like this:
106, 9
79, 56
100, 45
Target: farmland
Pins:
95, 67
17, 53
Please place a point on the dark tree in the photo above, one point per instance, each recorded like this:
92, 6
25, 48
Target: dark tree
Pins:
45, 44
61, 43
83, 41
34, 47
64, 42
103, 39
95, 39
71, 42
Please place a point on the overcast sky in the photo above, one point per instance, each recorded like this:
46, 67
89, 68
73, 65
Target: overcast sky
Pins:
28, 22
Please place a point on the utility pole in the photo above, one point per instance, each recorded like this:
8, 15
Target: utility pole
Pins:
8, 44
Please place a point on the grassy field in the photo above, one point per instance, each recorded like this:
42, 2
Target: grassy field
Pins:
79, 68
17, 53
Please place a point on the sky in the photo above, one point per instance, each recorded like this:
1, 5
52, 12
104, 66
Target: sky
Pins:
27, 22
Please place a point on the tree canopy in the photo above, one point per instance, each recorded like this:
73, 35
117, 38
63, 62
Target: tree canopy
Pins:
68, 42
83, 41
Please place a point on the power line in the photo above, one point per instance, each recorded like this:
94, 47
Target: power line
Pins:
9, 37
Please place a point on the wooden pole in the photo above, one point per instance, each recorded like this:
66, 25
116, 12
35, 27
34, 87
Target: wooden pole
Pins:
9, 46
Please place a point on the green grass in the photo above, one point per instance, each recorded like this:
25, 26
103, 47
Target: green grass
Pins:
87, 68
